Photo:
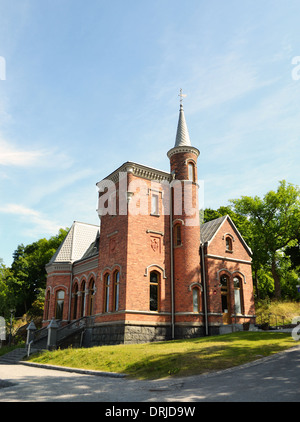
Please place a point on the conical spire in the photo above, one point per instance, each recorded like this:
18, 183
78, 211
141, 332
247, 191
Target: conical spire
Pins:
182, 142
182, 136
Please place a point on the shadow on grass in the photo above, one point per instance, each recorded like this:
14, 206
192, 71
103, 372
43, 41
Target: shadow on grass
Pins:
225, 352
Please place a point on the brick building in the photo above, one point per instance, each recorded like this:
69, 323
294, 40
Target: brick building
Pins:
149, 271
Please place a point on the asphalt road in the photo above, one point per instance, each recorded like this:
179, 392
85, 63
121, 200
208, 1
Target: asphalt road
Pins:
272, 379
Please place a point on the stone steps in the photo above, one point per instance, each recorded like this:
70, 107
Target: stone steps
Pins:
15, 356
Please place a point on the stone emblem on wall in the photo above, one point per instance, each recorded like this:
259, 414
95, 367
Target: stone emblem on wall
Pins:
155, 244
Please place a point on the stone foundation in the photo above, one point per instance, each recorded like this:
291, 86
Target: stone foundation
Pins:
112, 334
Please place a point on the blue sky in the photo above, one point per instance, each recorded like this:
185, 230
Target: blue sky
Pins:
91, 84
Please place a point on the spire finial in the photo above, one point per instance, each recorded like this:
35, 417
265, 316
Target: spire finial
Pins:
182, 96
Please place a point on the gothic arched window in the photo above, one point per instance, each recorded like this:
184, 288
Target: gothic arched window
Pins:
116, 290
106, 292
154, 290
191, 171
59, 304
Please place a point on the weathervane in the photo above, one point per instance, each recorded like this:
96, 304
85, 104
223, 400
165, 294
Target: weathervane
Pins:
182, 96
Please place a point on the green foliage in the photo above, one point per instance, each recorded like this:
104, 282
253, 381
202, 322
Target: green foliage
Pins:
270, 226
275, 222
20, 285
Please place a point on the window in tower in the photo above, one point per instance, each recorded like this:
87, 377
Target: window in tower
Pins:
154, 204
177, 235
196, 299
191, 171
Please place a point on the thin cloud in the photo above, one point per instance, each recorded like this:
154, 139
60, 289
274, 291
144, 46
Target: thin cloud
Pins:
39, 223
12, 156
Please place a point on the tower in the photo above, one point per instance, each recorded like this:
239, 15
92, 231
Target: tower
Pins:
186, 228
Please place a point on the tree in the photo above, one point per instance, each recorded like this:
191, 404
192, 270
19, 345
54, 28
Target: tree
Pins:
5, 297
28, 274
275, 221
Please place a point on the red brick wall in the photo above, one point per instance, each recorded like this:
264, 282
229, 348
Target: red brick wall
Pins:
230, 264
148, 250
137, 244
186, 255
112, 257
58, 280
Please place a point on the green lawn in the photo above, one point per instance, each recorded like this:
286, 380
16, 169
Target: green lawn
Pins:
173, 358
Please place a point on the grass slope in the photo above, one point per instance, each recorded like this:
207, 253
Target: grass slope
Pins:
173, 358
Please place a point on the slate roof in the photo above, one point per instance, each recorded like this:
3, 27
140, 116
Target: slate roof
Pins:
182, 135
209, 229
93, 249
77, 244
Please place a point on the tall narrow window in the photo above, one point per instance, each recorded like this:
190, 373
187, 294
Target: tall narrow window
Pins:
228, 243
154, 205
59, 306
191, 170
75, 301
196, 300
106, 292
116, 290
82, 305
237, 295
154, 291
177, 235
91, 298
224, 293
47, 304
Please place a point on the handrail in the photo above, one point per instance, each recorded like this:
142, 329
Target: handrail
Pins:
29, 347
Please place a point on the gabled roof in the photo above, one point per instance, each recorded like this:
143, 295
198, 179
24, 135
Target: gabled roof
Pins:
209, 230
76, 244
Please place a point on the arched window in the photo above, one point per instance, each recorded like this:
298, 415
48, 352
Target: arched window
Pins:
82, 305
116, 290
106, 292
196, 299
47, 305
75, 303
154, 291
228, 243
59, 304
225, 293
191, 172
91, 298
177, 235
237, 283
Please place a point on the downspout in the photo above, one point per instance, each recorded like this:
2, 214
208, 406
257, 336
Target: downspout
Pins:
204, 289
172, 263
70, 294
